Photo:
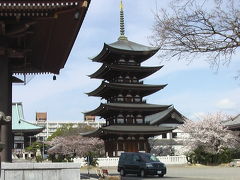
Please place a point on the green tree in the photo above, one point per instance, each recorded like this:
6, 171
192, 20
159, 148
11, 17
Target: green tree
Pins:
34, 147
70, 130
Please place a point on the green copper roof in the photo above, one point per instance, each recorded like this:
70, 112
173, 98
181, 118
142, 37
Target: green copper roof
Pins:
18, 122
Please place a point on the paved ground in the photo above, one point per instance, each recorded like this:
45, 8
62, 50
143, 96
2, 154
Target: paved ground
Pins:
180, 173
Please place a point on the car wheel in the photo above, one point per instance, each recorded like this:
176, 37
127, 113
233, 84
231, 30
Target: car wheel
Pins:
122, 172
160, 175
142, 173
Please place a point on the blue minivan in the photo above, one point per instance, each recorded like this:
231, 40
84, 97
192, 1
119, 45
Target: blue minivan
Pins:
141, 164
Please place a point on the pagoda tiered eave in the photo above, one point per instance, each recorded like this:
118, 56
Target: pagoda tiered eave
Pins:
109, 89
125, 48
149, 130
114, 108
170, 115
106, 71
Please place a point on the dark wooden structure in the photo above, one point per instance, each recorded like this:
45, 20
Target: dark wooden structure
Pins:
125, 109
233, 123
36, 36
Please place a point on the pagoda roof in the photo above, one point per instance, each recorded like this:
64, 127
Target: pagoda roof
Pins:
234, 123
124, 47
128, 130
107, 89
107, 70
109, 108
19, 124
44, 30
169, 116
127, 45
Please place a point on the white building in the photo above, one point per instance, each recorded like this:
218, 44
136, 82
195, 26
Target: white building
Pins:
170, 143
51, 127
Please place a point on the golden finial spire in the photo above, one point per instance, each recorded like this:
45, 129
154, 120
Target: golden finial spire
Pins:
122, 28
121, 6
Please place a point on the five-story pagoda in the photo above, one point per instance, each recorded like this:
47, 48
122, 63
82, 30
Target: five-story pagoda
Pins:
125, 110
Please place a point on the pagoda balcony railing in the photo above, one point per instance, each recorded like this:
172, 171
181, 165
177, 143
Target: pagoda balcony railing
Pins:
129, 102
125, 123
129, 63
127, 82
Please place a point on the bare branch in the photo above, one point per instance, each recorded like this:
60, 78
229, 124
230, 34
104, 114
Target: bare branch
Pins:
195, 28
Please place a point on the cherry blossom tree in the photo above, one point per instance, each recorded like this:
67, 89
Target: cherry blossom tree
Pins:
75, 145
210, 134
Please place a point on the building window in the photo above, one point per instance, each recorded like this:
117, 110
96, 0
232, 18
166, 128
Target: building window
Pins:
129, 119
121, 61
137, 98
18, 146
164, 135
174, 135
132, 62
129, 98
120, 119
139, 119
127, 79
120, 79
134, 79
120, 98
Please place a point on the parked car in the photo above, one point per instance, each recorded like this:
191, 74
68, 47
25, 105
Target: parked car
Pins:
141, 164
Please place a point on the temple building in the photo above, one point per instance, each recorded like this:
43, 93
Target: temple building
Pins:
233, 123
130, 120
36, 37
23, 131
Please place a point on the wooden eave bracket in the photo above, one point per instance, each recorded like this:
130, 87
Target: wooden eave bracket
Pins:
20, 29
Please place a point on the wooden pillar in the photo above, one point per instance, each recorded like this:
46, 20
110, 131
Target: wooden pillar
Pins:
148, 149
6, 108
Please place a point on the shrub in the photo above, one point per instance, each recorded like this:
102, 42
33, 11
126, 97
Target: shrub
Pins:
200, 156
92, 158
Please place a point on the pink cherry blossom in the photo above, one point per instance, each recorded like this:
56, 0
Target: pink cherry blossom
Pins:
209, 133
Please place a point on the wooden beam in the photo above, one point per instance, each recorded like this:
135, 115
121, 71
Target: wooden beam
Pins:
2, 51
2, 28
16, 80
18, 29
17, 53
19, 35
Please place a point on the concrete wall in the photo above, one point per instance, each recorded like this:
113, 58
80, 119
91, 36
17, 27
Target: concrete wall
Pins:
40, 171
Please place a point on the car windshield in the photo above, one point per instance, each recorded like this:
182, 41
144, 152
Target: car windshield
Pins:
150, 158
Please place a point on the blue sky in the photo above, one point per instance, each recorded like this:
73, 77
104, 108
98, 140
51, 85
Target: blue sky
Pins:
193, 89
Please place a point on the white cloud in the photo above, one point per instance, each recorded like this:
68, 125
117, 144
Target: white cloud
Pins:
226, 103
197, 115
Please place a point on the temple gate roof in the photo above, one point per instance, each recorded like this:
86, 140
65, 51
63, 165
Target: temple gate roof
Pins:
19, 124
